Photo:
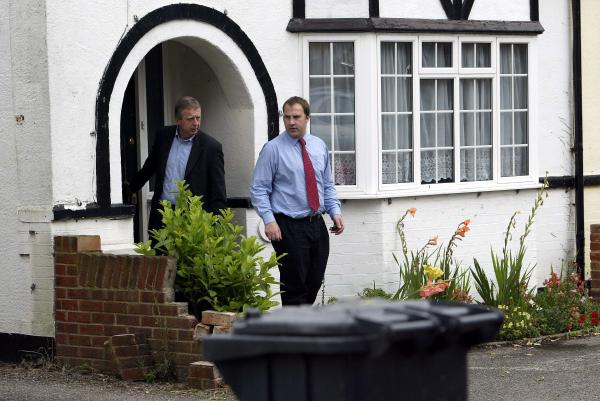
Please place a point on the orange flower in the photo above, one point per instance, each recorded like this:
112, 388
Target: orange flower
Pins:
433, 241
467, 222
432, 289
462, 230
412, 211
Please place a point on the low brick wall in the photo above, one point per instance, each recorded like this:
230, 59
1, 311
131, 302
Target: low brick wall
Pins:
101, 295
595, 259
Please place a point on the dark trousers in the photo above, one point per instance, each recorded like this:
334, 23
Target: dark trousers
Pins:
306, 245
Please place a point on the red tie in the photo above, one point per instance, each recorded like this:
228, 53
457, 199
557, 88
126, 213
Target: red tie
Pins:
311, 181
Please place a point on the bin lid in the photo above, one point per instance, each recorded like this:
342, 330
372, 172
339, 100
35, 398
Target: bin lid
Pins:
365, 326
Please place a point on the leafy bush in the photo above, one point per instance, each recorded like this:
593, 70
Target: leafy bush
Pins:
431, 274
518, 323
562, 305
217, 267
374, 293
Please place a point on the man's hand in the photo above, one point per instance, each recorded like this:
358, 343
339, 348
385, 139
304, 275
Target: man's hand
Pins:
272, 231
339, 224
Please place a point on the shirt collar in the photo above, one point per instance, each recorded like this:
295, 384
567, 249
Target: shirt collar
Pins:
180, 139
294, 140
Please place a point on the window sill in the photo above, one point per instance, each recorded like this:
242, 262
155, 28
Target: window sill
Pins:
438, 189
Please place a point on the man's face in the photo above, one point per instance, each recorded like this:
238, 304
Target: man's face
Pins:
295, 120
189, 122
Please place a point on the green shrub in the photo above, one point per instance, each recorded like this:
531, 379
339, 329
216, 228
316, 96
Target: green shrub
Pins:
217, 267
518, 323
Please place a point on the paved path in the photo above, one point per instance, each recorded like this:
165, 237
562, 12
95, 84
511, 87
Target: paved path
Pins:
561, 370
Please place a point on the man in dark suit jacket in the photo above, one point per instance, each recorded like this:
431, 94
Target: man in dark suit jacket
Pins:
183, 152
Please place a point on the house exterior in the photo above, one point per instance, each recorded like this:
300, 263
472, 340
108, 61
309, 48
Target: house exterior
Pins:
590, 62
458, 109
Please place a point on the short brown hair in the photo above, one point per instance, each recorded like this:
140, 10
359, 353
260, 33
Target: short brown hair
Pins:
298, 100
185, 102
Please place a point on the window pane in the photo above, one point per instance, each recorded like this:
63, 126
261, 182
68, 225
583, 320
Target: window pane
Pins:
507, 162
467, 165
387, 94
467, 129
445, 99
387, 57
484, 164
343, 58
320, 126
484, 55
405, 131
506, 93
405, 167
318, 58
404, 94
427, 130
388, 132
388, 168
445, 166
521, 161
427, 94
506, 126
520, 54
467, 94
344, 133
505, 59
428, 167
444, 54
521, 92
484, 94
404, 58
445, 125
521, 127
320, 95
428, 53
468, 55
484, 128
344, 169
343, 95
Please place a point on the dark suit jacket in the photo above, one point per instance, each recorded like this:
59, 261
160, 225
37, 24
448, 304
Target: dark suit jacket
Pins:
204, 173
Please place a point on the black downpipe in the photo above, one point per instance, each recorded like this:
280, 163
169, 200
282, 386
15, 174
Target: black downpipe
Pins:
578, 123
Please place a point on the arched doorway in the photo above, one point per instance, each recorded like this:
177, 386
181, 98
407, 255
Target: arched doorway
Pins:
239, 101
178, 67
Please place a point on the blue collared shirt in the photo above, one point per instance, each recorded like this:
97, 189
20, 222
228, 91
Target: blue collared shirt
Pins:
278, 184
176, 163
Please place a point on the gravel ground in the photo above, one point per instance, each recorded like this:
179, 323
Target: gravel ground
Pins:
50, 383
550, 370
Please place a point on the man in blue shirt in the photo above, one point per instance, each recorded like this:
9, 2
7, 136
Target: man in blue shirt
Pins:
291, 188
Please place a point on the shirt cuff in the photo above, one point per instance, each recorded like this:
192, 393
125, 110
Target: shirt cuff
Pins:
268, 218
334, 211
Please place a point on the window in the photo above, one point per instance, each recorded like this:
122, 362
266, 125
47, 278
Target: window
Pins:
454, 131
422, 113
331, 95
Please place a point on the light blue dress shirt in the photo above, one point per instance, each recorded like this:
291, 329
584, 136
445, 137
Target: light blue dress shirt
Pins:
176, 163
278, 184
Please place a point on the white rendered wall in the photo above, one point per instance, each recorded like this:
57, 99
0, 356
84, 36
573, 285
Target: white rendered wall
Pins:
513, 10
25, 169
420, 9
337, 9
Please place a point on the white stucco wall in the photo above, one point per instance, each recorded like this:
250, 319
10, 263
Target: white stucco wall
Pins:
513, 10
422, 9
337, 9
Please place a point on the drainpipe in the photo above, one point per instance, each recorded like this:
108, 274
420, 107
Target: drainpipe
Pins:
578, 127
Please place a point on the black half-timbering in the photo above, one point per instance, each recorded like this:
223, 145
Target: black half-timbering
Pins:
159, 16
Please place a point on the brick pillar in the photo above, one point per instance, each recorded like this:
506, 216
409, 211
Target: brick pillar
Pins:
595, 259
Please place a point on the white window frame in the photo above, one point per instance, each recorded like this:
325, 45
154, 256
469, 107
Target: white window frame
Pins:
368, 141
364, 146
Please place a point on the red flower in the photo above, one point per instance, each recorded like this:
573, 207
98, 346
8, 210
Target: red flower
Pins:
594, 315
581, 319
595, 322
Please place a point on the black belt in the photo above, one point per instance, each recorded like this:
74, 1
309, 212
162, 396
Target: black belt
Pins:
309, 219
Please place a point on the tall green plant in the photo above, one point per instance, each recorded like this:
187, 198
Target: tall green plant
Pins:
217, 266
511, 275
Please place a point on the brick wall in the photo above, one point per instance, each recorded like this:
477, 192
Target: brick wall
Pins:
595, 259
98, 296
